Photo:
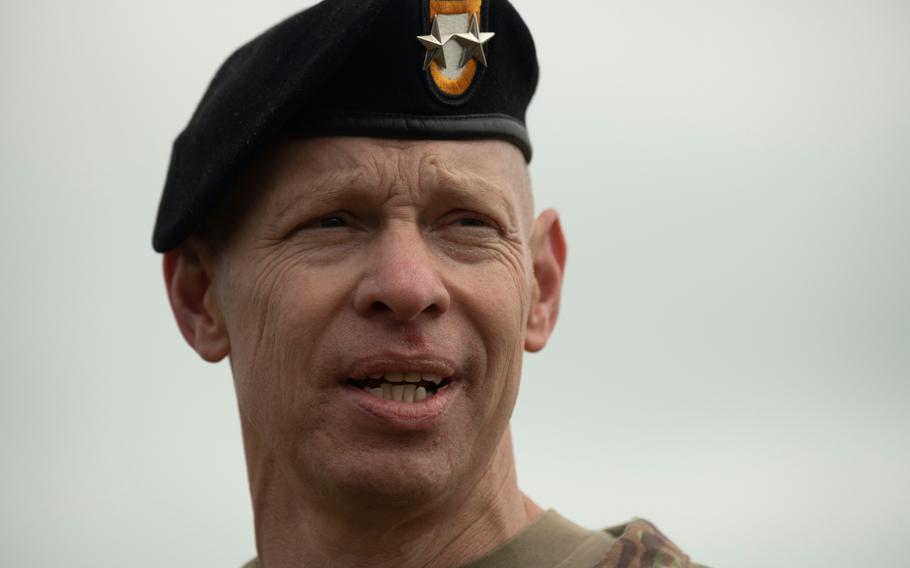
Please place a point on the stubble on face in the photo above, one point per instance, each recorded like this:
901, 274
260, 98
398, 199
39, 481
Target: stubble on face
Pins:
447, 221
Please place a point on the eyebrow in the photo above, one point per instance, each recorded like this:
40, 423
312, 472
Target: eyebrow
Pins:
358, 184
321, 188
473, 188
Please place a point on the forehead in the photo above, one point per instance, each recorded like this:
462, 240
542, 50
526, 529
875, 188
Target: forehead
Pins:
382, 170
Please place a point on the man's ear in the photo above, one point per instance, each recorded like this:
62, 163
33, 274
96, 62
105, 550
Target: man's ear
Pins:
548, 254
189, 288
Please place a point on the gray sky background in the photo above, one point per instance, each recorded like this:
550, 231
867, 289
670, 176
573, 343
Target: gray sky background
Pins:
733, 354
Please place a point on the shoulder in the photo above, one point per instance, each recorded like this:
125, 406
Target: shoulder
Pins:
639, 544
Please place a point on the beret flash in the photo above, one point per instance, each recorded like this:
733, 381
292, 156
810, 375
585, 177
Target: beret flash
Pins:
414, 69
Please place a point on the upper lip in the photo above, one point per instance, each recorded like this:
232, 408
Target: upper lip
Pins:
422, 363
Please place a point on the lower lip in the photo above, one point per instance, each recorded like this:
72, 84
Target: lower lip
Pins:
404, 416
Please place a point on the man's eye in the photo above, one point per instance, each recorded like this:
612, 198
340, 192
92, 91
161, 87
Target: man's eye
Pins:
327, 222
330, 222
472, 222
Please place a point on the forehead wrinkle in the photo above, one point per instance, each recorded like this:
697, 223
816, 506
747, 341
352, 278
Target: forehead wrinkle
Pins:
392, 184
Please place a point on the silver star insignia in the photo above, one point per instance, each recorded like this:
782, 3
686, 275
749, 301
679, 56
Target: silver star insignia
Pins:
433, 44
473, 41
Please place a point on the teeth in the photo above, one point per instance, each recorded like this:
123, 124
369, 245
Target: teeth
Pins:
401, 386
407, 377
399, 393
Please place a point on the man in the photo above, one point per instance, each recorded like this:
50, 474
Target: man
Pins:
349, 217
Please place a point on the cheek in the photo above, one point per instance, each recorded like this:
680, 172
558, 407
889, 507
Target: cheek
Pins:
496, 303
500, 298
497, 291
275, 325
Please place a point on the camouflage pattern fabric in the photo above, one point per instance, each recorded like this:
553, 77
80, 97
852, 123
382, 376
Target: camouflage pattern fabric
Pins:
640, 545
637, 544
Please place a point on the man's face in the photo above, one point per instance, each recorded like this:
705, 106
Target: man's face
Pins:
347, 263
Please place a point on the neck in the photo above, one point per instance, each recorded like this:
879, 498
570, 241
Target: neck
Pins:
292, 531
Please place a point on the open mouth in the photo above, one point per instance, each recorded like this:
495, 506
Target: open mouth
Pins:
411, 386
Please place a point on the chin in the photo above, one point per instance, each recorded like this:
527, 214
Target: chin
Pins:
406, 478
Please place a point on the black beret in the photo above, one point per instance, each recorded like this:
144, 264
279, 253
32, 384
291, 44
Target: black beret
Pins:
346, 67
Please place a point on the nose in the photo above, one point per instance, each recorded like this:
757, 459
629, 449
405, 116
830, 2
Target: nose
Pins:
402, 279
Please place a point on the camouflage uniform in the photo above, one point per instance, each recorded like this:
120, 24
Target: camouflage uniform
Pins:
551, 541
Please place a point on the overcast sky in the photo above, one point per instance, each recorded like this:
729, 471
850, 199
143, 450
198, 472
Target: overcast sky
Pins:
733, 355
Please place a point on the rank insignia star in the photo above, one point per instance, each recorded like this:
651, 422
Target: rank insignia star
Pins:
434, 44
473, 42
